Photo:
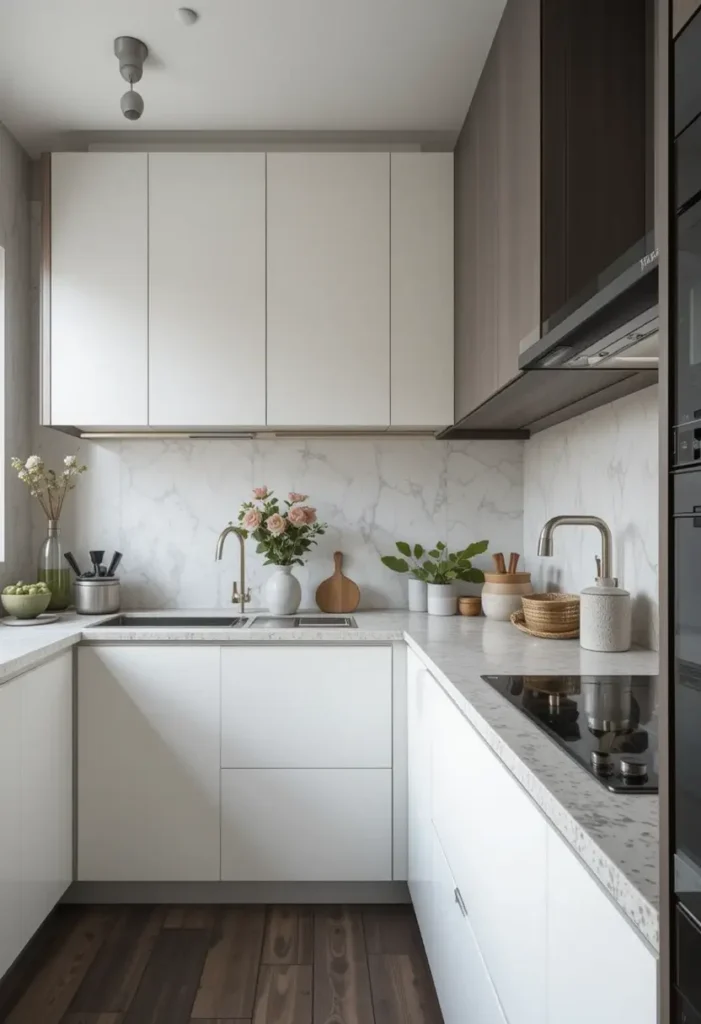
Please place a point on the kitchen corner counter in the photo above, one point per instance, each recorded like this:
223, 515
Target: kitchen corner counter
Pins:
615, 836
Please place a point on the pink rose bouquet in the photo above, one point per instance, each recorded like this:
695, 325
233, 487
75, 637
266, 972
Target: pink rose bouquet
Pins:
285, 531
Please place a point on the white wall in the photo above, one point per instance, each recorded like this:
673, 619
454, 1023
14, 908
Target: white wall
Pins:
603, 463
163, 503
14, 238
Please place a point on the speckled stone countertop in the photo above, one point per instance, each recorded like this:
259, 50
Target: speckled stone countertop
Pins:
616, 836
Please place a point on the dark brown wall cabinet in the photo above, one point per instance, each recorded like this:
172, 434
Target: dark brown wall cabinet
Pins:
550, 176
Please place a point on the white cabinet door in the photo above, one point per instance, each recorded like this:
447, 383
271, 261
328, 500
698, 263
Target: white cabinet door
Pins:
10, 807
148, 763
420, 828
328, 289
206, 289
306, 707
99, 273
422, 289
306, 825
598, 968
495, 842
464, 988
47, 789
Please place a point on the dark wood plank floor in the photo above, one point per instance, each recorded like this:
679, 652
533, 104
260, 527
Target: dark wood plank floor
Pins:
224, 965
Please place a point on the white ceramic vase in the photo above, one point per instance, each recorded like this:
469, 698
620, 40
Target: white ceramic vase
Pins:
418, 597
282, 591
442, 599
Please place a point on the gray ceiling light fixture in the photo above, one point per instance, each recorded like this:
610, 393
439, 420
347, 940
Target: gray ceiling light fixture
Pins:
131, 54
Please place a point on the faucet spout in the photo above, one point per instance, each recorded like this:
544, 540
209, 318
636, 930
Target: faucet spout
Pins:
545, 541
245, 595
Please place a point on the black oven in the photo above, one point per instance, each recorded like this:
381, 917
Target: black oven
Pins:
687, 744
687, 233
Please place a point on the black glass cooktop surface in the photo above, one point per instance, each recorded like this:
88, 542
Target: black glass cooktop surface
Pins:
606, 723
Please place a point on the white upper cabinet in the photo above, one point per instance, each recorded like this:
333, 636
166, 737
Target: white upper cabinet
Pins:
328, 290
422, 340
99, 333
238, 291
206, 289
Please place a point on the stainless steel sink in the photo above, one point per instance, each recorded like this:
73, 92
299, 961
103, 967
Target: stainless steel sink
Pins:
127, 621
175, 621
303, 622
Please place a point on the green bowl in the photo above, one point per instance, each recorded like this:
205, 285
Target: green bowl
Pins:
25, 606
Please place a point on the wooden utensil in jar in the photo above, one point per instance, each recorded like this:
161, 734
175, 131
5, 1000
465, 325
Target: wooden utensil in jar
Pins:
513, 561
499, 563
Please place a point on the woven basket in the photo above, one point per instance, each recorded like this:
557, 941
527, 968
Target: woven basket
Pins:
551, 613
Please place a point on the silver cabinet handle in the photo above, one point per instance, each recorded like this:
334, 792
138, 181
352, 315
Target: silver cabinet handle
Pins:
460, 902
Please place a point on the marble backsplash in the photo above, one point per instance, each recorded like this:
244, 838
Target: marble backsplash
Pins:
603, 463
164, 503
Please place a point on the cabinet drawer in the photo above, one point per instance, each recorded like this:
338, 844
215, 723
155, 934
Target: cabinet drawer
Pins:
465, 990
495, 843
306, 707
306, 825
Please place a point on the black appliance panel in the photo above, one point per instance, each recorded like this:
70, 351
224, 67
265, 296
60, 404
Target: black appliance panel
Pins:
687, 972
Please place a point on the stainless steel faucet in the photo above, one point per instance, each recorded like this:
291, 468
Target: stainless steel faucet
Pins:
245, 595
545, 543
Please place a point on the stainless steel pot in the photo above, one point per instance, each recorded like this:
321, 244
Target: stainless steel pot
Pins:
96, 596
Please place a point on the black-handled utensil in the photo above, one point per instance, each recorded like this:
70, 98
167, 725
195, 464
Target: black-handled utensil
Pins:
116, 559
96, 559
72, 562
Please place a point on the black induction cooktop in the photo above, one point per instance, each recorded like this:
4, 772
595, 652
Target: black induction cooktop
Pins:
606, 723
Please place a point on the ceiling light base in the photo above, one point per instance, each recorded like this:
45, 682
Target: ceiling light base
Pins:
131, 54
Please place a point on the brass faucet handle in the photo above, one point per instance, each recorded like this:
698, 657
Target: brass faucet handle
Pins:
235, 593
247, 597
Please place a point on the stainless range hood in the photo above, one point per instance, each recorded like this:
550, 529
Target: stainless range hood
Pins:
603, 346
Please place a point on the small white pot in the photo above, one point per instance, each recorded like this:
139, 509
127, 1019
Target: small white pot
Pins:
282, 591
442, 599
418, 596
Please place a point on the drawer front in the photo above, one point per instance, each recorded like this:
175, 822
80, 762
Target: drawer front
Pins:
465, 990
306, 825
495, 843
306, 707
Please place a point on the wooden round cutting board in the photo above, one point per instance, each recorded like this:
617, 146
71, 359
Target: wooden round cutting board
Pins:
338, 593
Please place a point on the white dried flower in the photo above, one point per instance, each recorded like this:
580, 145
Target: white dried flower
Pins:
33, 462
70, 461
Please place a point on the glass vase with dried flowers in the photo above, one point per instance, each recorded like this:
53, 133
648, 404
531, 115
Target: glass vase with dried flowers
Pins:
50, 489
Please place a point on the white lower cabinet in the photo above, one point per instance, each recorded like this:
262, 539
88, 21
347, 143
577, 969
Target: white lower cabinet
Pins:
10, 804
494, 839
46, 823
36, 800
306, 707
515, 928
148, 763
307, 825
598, 968
465, 990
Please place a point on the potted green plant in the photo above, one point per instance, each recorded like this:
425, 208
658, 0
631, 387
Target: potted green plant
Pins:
440, 571
418, 599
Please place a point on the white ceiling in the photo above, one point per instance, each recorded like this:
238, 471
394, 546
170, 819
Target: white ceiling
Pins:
247, 65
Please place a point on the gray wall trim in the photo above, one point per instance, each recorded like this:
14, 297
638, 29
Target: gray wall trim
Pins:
237, 892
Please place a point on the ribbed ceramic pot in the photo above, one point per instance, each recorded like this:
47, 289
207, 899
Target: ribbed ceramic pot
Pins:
283, 592
442, 599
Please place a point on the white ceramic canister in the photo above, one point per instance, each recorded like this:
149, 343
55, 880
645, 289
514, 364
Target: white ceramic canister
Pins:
605, 617
500, 599
442, 599
418, 596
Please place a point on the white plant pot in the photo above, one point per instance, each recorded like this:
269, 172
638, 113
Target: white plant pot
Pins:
442, 599
418, 597
282, 591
